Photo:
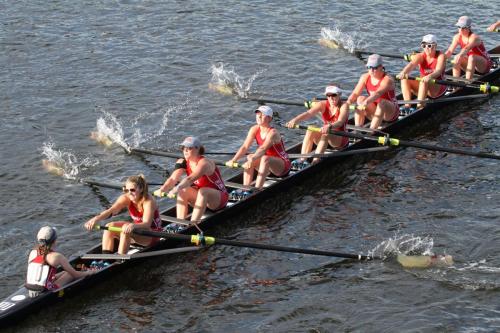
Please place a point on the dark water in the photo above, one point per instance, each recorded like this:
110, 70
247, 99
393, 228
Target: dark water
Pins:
147, 65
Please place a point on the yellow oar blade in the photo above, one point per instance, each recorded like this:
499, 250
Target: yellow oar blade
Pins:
425, 261
221, 88
52, 168
101, 138
329, 43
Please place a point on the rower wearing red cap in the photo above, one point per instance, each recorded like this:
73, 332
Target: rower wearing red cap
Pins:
334, 114
270, 156
431, 63
380, 104
203, 185
473, 56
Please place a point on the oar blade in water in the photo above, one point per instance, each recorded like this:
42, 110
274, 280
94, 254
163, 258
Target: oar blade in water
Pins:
101, 138
52, 168
329, 43
425, 261
221, 88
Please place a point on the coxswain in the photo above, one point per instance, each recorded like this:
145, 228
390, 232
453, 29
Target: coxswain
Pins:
270, 156
473, 56
431, 63
202, 185
380, 104
143, 211
43, 262
334, 115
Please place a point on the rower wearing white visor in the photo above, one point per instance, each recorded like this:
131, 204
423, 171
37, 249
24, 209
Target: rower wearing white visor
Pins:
334, 115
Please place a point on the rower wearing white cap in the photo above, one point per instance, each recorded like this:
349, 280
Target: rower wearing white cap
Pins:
43, 262
473, 56
202, 185
334, 114
270, 156
381, 104
431, 63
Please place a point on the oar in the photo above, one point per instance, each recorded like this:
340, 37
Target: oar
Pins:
340, 153
173, 155
405, 261
388, 141
485, 87
434, 101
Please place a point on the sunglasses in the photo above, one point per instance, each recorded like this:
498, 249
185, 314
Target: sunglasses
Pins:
127, 190
372, 67
331, 95
424, 45
188, 148
464, 28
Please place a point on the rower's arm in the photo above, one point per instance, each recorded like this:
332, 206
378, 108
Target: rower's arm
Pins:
452, 46
344, 114
59, 260
474, 41
148, 207
309, 113
246, 144
440, 66
174, 177
203, 168
357, 90
415, 60
115, 209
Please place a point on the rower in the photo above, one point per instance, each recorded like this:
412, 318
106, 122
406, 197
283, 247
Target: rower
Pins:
270, 156
473, 56
43, 262
381, 104
143, 210
203, 185
431, 63
334, 114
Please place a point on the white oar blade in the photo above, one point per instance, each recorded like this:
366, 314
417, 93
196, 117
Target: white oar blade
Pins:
425, 261
52, 168
101, 138
221, 89
329, 43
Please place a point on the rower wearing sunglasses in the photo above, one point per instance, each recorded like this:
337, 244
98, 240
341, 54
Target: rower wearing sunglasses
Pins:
143, 211
380, 104
431, 64
334, 114
473, 56
202, 185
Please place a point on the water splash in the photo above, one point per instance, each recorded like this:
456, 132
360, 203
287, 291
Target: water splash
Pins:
227, 81
349, 41
404, 244
109, 126
64, 163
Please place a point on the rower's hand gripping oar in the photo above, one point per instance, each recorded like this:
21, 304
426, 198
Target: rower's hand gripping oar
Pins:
406, 261
485, 87
388, 141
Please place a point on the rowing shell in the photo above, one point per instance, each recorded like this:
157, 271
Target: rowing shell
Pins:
17, 305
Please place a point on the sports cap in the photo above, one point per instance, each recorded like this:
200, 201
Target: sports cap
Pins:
191, 141
46, 235
374, 60
265, 110
333, 90
464, 22
430, 38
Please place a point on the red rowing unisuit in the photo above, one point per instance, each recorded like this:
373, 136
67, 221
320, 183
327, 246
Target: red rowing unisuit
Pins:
276, 150
137, 216
479, 50
212, 181
389, 95
428, 66
41, 275
329, 118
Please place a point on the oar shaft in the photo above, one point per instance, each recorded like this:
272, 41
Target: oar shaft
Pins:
485, 88
204, 240
388, 55
173, 155
275, 101
385, 140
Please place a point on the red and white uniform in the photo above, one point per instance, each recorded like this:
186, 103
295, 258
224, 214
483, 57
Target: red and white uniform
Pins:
328, 118
41, 275
276, 150
428, 66
137, 217
212, 181
389, 95
479, 50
